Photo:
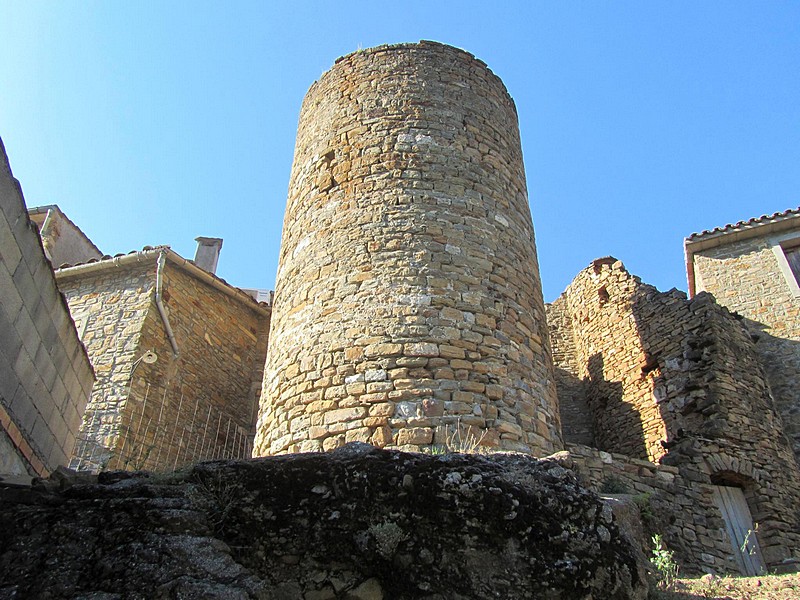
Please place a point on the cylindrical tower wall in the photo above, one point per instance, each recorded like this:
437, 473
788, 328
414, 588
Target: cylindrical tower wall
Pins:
408, 301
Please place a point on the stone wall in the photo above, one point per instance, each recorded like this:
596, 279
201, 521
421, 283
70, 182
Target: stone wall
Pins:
209, 392
198, 404
576, 415
45, 375
109, 306
678, 381
681, 510
408, 298
599, 344
745, 276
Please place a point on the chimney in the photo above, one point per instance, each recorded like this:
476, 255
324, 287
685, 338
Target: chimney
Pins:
207, 253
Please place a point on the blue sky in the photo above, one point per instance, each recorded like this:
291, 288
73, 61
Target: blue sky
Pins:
155, 122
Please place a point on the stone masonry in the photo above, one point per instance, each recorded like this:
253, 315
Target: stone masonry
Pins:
45, 374
198, 403
408, 298
678, 382
745, 266
601, 348
680, 509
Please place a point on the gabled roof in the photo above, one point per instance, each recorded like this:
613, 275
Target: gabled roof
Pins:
151, 253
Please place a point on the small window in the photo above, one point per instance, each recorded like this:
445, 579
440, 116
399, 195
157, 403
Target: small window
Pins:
792, 254
786, 249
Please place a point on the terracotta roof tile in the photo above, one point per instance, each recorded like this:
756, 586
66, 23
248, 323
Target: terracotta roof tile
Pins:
755, 221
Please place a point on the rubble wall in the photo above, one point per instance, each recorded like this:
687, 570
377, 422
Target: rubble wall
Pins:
45, 374
599, 344
681, 379
408, 297
679, 509
745, 276
577, 424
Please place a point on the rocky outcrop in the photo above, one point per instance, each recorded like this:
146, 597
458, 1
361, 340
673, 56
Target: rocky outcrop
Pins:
358, 523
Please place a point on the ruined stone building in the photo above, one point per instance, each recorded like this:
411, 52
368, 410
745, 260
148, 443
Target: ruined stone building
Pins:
408, 307
656, 377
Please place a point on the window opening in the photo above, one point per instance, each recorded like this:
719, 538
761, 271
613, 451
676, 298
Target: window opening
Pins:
792, 254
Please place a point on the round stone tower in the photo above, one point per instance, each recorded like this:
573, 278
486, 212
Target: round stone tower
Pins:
408, 306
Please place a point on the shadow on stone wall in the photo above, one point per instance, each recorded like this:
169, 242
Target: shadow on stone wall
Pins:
618, 425
680, 382
780, 358
577, 421
722, 426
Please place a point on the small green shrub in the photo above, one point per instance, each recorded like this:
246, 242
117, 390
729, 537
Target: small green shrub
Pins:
664, 562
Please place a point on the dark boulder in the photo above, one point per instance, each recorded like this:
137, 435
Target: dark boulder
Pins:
358, 523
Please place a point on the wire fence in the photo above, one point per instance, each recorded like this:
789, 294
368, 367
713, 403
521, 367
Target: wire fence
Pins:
196, 430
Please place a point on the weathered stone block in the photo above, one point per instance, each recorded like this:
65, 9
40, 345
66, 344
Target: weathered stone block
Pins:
417, 436
345, 414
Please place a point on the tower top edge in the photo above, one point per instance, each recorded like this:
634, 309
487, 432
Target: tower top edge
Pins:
422, 45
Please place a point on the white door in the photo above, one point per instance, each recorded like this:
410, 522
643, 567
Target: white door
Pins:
739, 525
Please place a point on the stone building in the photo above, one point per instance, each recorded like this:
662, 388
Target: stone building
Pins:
179, 357
177, 351
408, 298
753, 268
45, 374
656, 380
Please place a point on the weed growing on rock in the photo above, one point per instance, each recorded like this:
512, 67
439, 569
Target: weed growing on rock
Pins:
458, 440
216, 497
664, 562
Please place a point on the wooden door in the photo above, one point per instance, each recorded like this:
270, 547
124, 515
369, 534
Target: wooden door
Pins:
739, 525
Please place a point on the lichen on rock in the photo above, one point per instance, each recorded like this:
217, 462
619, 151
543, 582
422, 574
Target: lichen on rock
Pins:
358, 522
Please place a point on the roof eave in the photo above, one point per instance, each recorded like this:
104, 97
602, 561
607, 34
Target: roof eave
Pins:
173, 257
765, 226
704, 241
